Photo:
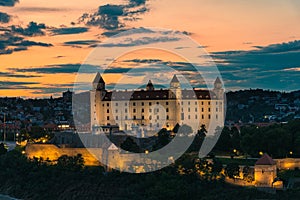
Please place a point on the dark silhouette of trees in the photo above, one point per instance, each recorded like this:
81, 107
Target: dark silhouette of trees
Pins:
3, 150
232, 170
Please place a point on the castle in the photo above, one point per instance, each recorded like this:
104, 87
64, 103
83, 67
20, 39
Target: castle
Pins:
152, 109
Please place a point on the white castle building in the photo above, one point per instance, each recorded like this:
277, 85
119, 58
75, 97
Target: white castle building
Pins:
152, 109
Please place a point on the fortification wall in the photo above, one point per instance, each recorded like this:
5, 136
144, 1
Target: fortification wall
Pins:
288, 163
52, 152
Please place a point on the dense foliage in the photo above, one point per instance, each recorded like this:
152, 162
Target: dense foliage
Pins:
279, 140
68, 179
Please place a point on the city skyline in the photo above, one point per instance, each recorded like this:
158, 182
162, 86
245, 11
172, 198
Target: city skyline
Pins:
254, 44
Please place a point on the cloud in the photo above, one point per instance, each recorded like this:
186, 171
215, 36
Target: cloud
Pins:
59, 68
82, 42
141, 41
263, 67
14, 75
111, 17
39, 9
10, 43
15, 84
9, 3
71, 30
4, 18
32, 29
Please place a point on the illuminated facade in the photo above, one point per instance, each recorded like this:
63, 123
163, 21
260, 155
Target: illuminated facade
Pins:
151, 109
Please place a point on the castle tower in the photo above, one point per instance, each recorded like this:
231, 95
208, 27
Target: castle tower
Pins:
218, 89
175, 95
97, 96
150, 86
98, 83
175, 88
265, 171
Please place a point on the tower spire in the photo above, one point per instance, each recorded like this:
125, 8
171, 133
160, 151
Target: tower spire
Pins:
150, 86
98, 83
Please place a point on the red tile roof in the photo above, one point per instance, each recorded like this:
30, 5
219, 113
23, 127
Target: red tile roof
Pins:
265, 160
156, 95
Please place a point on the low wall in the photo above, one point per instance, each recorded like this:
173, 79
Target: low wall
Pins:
52, 152
288, 163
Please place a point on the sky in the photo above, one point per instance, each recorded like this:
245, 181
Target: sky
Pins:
253, 44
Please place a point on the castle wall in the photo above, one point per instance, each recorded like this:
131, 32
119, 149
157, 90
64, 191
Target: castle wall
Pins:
288, 163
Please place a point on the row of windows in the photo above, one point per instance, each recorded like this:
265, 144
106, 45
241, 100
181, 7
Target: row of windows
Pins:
167, 103
157, 110
167, 117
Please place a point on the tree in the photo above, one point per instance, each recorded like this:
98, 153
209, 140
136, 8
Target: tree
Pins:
130, 145
232, 170
247, 175
3, 150
74, 163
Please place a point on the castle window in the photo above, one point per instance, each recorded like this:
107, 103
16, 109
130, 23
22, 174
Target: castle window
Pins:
202, 109
196, 103
208, 109
196, 116
133, 104
189, 116
134, 117
126, 117
143, 110
107, 111
202, 116
116, 110
134, 110
150, 110
107, 104
150, 103
216, 116
142, 103
125, 104
143, 117
103, 105
202, 103
107, 118
167, 103
209, 103
117, 117
182, 116
189, 110
189, 103
126, 110
196, 109
157, 103
167, 117
167, 110
157, 117
150, 117
208, 116
217, 110
117, 104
